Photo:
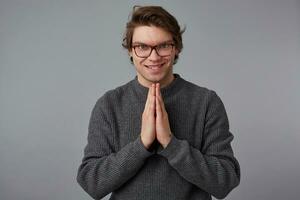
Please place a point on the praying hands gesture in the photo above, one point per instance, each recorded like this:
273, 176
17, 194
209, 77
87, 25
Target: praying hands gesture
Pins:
155, 122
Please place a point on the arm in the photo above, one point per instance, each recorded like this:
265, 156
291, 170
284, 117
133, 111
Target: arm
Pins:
212, 168
103, 170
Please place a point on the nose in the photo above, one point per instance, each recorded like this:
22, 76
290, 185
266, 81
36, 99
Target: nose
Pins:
154, 55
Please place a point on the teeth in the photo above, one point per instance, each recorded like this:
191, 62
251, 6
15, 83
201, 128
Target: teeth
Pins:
154, 66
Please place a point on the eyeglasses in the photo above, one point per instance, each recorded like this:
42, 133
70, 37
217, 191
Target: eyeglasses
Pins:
144, 50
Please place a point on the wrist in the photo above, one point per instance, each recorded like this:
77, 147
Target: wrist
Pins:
167, 141
146, 145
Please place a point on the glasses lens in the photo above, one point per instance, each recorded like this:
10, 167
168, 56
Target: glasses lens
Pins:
164, 49
142, 50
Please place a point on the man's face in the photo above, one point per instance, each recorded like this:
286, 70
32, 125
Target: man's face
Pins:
154, 68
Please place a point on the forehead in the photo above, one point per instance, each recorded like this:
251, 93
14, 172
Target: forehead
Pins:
150, 35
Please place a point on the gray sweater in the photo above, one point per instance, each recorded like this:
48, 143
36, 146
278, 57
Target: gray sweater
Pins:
197, 163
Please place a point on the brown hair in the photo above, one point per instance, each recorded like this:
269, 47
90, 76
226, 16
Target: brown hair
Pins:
156, 16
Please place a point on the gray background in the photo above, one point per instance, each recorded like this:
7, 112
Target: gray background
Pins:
58, 57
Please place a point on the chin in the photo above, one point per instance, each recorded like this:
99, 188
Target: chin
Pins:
156, 79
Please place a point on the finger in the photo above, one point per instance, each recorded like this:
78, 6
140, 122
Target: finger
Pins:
153, 89
148, 98
151, 103
162, 105
153, 106
150, 91
157, 89
159, 112
157, 106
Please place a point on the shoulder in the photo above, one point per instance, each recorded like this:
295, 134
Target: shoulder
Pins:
189, 86
196, 91
112, 96
201, 97
205, 99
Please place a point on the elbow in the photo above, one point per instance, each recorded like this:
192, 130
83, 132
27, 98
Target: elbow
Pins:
221, 193
222, 190
227, 183
90, 185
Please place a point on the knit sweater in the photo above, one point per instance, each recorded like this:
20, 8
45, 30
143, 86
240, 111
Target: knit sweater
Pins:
197, 163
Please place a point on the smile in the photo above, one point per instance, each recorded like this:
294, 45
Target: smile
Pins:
155, 66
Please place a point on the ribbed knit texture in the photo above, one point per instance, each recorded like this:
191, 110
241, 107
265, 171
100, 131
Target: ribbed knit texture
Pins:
197, 163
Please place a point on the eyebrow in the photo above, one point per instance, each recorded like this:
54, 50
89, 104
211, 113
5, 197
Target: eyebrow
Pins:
137, 42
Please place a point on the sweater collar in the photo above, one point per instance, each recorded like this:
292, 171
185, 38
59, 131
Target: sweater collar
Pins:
166, 91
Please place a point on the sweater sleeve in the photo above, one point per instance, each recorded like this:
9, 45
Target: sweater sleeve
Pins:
103, 170
213, 168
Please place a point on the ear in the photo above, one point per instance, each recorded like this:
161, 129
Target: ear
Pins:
176, 51
130, 53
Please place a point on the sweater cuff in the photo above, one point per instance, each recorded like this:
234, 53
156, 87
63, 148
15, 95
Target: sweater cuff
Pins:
172, 148
141, 149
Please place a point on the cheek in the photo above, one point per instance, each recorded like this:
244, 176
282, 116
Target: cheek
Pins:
171, 59
138, 62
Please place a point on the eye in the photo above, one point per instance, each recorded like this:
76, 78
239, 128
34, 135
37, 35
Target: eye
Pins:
143, 47
164, 46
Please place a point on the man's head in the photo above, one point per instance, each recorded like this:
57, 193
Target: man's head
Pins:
153, 40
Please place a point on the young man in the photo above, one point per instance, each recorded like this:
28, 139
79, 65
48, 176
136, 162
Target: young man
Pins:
158, 136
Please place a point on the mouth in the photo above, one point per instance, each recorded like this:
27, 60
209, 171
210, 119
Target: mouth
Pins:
155, 67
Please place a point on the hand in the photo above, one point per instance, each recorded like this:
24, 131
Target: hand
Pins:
163, 131
148, 119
